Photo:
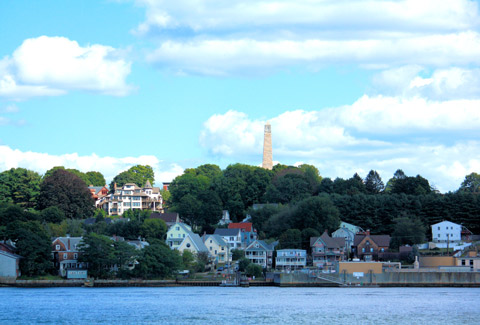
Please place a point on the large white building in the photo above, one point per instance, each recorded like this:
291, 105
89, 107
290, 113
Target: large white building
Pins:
130, 196
446, 231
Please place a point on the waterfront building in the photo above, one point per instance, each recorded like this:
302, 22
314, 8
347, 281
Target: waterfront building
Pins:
261, 253
370, 247
65, 254
291, 259
249, 234
347, 231
327, 251
9, 261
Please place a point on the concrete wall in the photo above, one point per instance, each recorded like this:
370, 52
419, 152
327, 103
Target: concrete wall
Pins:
436, 261
365, 267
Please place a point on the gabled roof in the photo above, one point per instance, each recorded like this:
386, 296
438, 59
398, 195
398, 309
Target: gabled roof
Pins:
167, 216
227, 232
328, 241
147, 184
198, 242
262, 246
445, 222
11, 255
246, 226
73, 241
217, 238
182, 225
380, 240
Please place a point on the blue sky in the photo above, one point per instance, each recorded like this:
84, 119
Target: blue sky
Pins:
348, 86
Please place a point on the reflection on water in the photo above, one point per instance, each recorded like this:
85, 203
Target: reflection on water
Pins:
255, 305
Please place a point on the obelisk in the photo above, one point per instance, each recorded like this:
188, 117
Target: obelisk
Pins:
267, 147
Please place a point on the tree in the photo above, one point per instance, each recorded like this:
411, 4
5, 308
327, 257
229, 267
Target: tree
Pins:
68, 192
292, 238
317, 212
237, 254
33, 245
373, 183
254, 270
19, 186
52, 214
408, 231
153, 228
99, 252
471, 184
308, 233
95, 178
243, 264
138, 174
158, 261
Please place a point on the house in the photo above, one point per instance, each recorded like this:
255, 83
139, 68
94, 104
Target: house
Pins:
261, 253
291, 259
193, 243
170, 218
225, 220
9, 261
176, 234
65, 254
348, 232
446, 231
130, 196
370, 247
218, 249
98, 191
166, 185
249, 234
233, 237
327, 251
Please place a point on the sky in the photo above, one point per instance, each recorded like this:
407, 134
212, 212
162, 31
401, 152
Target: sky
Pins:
348, 86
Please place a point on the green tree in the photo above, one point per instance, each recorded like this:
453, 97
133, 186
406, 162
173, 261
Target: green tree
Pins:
33, 245
68, 192
138, 174
95, 178
99, 252
52, 214
316, 212
408, 231
19, 186
237, 254
153, 228
292, 238
188, 260
243, 264
308, 233
158, 261
254, 270
373, 183
471, 184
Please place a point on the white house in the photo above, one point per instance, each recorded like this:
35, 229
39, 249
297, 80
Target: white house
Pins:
130, 196
446, 231
233, 237
291, 258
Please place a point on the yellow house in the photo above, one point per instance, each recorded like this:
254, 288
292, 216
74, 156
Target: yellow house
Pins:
218, 249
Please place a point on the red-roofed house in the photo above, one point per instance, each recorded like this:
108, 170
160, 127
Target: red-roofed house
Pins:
249, 234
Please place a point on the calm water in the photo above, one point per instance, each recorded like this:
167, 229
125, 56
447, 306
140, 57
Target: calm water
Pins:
207, 305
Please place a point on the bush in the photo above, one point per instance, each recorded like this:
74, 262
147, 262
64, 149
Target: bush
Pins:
243, 264
254, 270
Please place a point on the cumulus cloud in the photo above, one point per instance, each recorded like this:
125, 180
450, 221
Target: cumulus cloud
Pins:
222, 38
108, 166
51, 66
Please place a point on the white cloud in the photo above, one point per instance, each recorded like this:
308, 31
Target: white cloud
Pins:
51, 66
108, 166
220, 57
221, 38
440, 84
234, 15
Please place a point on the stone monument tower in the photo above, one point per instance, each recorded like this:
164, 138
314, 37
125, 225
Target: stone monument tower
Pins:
267, 147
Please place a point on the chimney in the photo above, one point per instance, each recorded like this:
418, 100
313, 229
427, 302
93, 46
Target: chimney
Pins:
367, 232
68, 243
115, 187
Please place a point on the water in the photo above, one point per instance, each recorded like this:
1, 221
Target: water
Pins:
256, 305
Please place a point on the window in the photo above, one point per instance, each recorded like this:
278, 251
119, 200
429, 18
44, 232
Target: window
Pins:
64, 256
438, 235
223, 248
188, 245
57, 247
371, 250
363, 250
183, 235
463, 262
383, 249
215, 252
210, 247
210, 241
438, 228
177, 228
75, 256
471, 262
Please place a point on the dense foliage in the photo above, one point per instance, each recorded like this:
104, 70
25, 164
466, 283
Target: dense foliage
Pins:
138, 174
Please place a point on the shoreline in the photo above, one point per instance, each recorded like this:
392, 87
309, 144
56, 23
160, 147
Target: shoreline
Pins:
174, 283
